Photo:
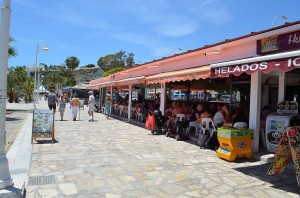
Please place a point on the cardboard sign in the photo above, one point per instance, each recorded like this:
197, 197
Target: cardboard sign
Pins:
289, 146
42, 124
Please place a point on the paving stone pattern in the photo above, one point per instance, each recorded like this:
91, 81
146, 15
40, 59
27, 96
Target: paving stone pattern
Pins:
110, 158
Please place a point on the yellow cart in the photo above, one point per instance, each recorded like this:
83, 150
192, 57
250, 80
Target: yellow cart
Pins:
234, 143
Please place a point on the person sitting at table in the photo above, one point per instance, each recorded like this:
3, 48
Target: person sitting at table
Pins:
178, 109
219, 118
169, 111
195, 118
206, 113
213, 109
200, 110
239, 116
186, 108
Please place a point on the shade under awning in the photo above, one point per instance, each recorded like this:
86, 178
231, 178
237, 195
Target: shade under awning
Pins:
283, 61
180, 75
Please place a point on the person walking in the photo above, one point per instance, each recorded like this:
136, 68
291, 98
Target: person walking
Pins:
108, 103
74, 104
61, 103
91, 106
52, 101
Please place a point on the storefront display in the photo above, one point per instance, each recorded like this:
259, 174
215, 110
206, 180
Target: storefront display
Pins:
276, 123
234, 143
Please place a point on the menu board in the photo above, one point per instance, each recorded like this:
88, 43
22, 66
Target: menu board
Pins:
289, 147
43, 124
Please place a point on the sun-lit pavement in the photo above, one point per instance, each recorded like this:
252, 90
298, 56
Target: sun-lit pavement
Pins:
109, 158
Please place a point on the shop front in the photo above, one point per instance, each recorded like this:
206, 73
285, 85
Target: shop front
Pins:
259, 68
255, 70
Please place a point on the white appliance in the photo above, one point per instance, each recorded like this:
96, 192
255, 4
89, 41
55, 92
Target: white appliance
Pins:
275, 125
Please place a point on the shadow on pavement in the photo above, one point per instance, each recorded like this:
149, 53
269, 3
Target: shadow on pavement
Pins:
12, 119
45, 141
286, 181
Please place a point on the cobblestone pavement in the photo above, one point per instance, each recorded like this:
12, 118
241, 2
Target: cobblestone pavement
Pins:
109, 158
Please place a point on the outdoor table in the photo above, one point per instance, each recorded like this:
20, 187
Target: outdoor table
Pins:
234, 143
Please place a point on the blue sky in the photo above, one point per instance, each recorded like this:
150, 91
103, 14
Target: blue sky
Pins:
151, 29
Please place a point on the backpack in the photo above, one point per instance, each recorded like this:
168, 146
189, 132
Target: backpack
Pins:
212, 142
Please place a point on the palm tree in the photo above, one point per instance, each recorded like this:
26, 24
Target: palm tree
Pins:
72, 62
19, 76
28, 89
11, 50
11, 87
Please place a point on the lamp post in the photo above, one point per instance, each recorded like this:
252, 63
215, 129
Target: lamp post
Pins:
5, 177
283, 17
175, 50
37, 81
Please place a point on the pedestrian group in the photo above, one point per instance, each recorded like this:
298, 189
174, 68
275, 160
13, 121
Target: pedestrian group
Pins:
75, 104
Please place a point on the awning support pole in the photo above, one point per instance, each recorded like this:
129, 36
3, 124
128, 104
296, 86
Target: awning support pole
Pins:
255, 101
281, 87
129, 102
163, 93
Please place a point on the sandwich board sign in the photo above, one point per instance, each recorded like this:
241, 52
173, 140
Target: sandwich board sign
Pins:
289, 147
42, 124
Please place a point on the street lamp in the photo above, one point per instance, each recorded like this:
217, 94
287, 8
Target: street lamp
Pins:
37, 84
175, 50
283, 17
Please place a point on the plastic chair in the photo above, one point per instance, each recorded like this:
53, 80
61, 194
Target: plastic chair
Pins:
126, 111
180, 117
121, 110
207, 124
192, 124
115, 108
138, 114
240, 125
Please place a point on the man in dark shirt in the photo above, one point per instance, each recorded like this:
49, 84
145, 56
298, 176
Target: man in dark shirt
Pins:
52, 101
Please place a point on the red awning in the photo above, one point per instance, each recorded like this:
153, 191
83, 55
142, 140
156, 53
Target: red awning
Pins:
131, 81
101, 82
180, 75
284, 62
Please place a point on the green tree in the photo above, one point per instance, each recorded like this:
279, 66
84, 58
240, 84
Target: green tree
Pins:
72, 62
11, 50
112, 70
91, 65
28, 89
130, 60
20, 73
15, 81
11, 86
20, 76
117, 60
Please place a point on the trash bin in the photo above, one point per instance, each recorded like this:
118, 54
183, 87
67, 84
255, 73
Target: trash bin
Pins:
234, 143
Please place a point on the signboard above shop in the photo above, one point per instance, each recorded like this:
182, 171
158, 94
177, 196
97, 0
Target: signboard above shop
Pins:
266, 66
278, 43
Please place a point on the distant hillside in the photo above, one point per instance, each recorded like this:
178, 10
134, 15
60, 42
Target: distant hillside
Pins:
87, 74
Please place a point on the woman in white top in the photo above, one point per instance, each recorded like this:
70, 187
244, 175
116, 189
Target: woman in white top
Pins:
61, 103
